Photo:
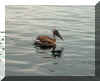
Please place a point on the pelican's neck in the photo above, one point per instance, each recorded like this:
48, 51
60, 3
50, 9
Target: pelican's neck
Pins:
54, 37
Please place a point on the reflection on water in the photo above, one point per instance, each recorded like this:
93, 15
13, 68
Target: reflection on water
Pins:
57, 53
54, 53
52, 57
25, 23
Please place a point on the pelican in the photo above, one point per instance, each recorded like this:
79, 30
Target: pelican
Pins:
46, 41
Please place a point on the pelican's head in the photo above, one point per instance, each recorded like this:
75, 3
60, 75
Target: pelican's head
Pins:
55, 32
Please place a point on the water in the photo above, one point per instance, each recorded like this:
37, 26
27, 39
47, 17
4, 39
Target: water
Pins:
25, 23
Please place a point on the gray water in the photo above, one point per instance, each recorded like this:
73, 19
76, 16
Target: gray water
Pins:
76, 25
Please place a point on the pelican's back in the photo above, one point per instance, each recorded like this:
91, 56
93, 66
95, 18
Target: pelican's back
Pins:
46, 39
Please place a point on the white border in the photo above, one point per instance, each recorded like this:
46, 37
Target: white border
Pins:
50, 2
37, 2
2, 28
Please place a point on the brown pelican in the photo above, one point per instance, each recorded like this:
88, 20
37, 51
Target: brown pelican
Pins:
46, 41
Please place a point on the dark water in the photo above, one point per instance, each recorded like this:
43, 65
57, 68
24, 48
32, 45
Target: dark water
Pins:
75, 23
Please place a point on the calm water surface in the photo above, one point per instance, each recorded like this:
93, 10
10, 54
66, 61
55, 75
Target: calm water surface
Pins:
25, 23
